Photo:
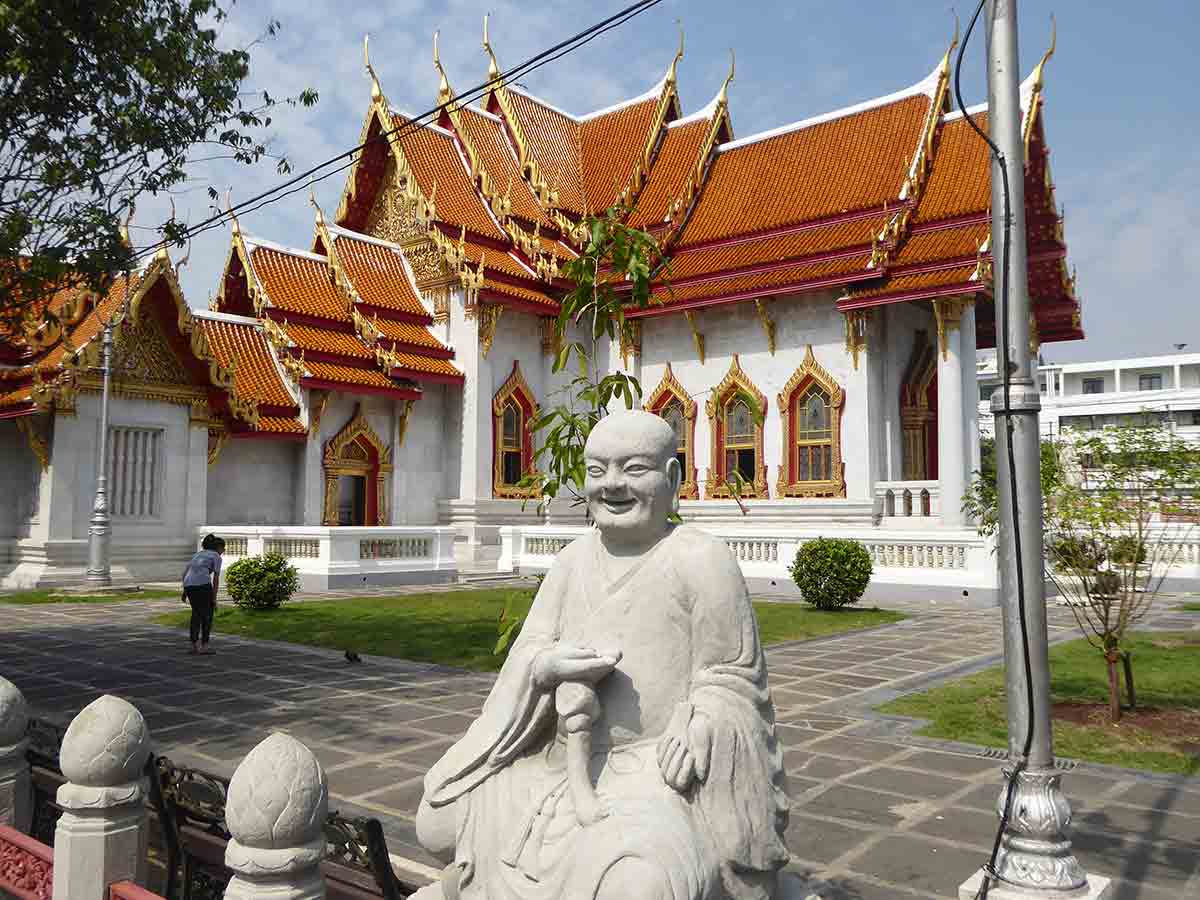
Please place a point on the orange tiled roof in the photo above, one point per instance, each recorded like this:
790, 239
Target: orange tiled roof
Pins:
960, 182
377, 273
676, 160
281, 425
15, 397
956, 242
349, 374
434, 158
486, 134
427, 365
766, 282
520, 293
327, 340
836, 236
553, 140
496, 260
854, 162
906, 285
297, 282
610, 145
407, 332
256, 376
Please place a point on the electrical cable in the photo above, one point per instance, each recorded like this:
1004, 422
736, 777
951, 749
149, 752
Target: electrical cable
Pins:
1006, 381
280, 191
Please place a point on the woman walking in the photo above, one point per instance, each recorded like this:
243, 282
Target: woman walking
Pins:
201, 579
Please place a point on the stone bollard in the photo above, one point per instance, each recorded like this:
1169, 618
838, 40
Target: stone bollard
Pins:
276, 809
101, 835
16, 791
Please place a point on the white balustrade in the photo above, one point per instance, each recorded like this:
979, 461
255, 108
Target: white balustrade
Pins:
342, 557
907, 499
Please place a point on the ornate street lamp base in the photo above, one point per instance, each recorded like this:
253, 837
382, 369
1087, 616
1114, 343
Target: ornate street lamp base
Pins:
1097, 887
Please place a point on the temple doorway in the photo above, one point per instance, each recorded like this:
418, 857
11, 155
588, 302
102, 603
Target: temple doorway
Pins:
352, 500
918, 413
357, 465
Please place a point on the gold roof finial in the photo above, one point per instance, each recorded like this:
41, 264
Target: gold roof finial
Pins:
953, 43
125, 224
493, 65
444, 84
376, 90
312, 198
237, 229
723, 96
672, 70
1037, 73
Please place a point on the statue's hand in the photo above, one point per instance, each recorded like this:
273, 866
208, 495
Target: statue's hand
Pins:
685, 749
560, 662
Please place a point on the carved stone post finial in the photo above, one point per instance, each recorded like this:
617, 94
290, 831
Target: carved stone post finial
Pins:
15, 793
277, 806
101, 836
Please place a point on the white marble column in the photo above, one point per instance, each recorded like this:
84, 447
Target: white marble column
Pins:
16, 796
970, 391
278, 802
952, 444
101, 836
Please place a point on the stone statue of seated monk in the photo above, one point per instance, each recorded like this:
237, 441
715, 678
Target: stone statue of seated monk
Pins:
627, 749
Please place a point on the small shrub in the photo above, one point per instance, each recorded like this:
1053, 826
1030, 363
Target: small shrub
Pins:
262, 582
832, 572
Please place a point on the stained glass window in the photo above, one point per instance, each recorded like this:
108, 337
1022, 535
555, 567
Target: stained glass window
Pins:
740, 451
510, 444
814, 435
674, 416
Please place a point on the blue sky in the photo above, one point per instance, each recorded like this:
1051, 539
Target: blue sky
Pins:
1121, 112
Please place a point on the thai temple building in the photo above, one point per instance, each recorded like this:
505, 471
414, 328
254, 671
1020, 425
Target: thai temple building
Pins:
363, 403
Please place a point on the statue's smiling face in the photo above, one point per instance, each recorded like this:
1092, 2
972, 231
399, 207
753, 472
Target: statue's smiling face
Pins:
632, 475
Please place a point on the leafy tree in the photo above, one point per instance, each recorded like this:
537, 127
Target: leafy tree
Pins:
101, 102
612, 272
1108, 544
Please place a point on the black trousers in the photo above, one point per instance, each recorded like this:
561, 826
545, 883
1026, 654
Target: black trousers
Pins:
204, 604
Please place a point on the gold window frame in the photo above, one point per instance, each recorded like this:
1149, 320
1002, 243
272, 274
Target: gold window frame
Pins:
669, 390
788, 485
514, 388
736, 381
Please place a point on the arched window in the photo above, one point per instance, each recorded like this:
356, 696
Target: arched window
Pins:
736, 411
672, 402
512, 408
811, 407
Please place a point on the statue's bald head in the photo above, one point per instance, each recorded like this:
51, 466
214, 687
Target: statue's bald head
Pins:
632, 432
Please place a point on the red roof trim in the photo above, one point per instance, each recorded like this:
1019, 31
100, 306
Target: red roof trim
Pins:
419, 349
393, 315
798, 288
965, 287
270, 435
403, 393
350, 362
415, 375
975, 218
785, 263
501, 299
28, 408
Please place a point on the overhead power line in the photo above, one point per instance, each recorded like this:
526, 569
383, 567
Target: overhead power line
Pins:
347, 158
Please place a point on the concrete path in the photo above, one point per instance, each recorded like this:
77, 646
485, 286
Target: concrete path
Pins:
876, 812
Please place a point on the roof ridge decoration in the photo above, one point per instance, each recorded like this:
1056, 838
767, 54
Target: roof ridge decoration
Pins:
1032, 87
720, 120
668, 103
886, 243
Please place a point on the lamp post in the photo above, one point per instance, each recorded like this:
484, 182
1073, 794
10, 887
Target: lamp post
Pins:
100, 528
1034, 857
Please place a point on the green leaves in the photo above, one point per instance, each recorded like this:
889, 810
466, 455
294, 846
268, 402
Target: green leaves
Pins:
103, 102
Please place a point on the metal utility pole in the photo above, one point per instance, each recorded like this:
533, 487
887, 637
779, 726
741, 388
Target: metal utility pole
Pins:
1034, 857
100, 527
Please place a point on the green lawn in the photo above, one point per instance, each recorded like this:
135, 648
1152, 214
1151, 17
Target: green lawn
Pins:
459, 628
31, 598
1166, 668
1192, 607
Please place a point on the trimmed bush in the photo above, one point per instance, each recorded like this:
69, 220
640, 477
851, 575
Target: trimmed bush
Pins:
262, 582
832, 572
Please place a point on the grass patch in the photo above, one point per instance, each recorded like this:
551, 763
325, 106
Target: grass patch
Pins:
36, 598
459, 628
1191, 607
1166, 668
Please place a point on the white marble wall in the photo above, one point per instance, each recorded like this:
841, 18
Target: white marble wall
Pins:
20, 482
254, 482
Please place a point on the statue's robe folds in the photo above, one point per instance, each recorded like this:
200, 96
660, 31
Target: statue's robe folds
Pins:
684, 625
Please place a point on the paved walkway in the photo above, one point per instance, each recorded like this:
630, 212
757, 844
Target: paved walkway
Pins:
876, 812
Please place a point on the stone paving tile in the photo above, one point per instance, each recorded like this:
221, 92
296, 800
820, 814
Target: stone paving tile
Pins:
872, 817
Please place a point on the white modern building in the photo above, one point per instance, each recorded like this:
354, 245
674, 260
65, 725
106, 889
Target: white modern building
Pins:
1087, 396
